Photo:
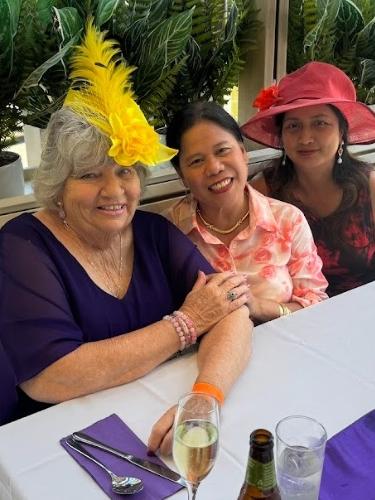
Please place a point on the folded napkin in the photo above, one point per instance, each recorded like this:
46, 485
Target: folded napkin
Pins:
113, 431
349, 463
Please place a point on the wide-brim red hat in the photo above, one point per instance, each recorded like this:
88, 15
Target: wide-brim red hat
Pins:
315, 83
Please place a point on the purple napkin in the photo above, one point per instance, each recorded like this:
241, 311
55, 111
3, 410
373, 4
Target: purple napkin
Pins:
349, 463
113, 431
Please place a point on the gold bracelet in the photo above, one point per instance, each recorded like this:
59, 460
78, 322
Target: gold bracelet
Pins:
284, 310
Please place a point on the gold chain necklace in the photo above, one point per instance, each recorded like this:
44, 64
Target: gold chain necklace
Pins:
222, 231
113, 286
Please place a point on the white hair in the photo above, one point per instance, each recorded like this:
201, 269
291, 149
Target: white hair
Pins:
72, 146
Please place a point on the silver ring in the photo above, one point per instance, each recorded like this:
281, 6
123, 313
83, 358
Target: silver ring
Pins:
231, 295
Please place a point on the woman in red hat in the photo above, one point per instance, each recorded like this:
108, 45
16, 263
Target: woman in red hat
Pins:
236, 228
312, 115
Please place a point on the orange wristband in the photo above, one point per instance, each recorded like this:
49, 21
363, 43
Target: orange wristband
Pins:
211, 390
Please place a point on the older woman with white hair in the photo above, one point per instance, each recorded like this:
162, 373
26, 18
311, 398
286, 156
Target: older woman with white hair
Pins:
94, 293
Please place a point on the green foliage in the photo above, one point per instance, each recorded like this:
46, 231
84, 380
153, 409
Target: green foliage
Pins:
9, 115
182, 49
296, 57
9, 124
340, 32
32, 71
367, 7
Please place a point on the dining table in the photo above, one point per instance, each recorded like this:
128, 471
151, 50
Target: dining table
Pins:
317, 361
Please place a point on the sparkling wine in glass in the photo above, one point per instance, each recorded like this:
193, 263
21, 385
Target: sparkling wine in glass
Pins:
195, 438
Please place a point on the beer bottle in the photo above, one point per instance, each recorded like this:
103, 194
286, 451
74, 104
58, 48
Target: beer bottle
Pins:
260, 479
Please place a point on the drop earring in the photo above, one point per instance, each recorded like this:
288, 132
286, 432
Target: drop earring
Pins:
339, 153
283, 161
61, 211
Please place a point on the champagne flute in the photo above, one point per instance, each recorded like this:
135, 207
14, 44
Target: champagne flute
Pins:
195, 438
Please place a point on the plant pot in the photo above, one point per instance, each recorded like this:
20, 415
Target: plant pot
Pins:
34, 137
11, 175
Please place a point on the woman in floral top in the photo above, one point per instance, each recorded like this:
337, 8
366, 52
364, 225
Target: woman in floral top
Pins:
313, 115
234, 226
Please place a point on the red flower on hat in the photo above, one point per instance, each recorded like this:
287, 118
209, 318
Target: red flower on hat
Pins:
266, 97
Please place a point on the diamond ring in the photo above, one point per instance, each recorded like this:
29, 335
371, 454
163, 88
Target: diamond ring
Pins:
231, 295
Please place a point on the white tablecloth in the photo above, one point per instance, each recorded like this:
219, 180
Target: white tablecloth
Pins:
317, 362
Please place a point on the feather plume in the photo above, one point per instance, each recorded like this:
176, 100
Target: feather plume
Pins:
102, 93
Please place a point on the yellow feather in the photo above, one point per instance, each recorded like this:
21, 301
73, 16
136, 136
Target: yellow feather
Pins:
102, 93
101, 80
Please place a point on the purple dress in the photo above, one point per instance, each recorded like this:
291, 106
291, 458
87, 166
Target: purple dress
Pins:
49, 305
8, 397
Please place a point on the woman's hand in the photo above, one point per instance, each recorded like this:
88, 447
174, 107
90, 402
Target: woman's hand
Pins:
254, 306
213, 297
263, 310
161, 437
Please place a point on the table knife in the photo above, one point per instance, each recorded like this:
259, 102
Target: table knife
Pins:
159, 470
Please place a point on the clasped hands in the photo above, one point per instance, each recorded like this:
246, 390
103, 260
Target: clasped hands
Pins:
213, 297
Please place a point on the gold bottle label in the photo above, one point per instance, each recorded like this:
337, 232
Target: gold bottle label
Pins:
262, 476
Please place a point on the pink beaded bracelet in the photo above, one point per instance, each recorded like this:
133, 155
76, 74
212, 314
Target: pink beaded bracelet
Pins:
184, 328
190, 326
178, 329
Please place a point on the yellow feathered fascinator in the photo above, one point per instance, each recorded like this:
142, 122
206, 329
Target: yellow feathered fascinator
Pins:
102, 94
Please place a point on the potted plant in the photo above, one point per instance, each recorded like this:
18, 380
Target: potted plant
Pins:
10, 165
43, 36
27, 53
182, 49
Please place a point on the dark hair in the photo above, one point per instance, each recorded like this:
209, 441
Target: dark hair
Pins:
193, 113
351, 174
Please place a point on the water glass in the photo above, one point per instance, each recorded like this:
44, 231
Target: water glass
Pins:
300, 445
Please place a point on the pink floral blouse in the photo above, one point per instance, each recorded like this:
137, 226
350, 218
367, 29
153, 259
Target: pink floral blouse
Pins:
276, 250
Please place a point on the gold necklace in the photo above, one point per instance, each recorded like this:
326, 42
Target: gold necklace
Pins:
113, 286
222, 231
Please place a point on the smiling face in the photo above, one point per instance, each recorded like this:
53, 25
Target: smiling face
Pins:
311, 137
213, 165
101, 201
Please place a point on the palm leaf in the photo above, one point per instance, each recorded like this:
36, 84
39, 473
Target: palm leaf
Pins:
368, 80
248, 26
69, 22
365, 44
319, 42
367, 8
227, 79
104, 11
349, 23
296, 30
34, 78
310, 15
340, 36
9, 15
41, 107
156, 104
158, 11
161, 47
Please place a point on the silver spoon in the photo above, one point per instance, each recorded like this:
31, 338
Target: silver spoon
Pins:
123, 485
